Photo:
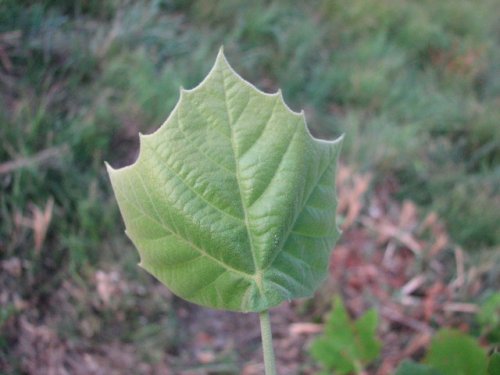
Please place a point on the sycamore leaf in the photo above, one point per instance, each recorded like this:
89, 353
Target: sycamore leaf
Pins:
347, 346
231, 203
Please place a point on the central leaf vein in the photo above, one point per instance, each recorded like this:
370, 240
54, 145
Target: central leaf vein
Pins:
258, 274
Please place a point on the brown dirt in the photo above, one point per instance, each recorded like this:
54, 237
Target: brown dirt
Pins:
390, 257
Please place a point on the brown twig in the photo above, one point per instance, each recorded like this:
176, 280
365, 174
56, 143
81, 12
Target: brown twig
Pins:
399, 318
459, 259
39, 158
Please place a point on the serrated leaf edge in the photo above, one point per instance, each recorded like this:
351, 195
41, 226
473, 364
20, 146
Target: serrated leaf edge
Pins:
221, 59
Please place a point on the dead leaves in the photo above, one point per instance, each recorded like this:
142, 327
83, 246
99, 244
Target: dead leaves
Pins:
391, 256
351, 190
16, 268
38, 221
43, 352
44, 157
394, 257
13, 266
110, 286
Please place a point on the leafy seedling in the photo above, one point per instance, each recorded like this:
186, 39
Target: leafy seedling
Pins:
408, 367
231, 202
455, 353
347, 346
489, 318
494, 364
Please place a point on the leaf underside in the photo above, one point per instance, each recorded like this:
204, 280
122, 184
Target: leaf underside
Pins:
231, 203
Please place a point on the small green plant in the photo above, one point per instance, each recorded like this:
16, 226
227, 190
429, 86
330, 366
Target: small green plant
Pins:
452, 353
231, 203
455, 353
488, 318
408, 367
494, 365
347, 346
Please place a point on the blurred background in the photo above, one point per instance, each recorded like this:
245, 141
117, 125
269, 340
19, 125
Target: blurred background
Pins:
415, 87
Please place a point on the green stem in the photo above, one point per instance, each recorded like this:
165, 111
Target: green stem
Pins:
267, 343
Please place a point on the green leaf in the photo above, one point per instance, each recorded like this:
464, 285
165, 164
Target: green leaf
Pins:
231, 202
455, 353
494, 364
408, 367
347, 345
489, 318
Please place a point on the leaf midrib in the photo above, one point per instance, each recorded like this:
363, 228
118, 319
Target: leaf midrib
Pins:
258, 272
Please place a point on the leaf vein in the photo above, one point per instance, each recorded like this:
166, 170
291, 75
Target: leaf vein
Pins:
288, 147
243, 206
197, 148
263, 130
190, 243
205, 286
158, 155
294, 222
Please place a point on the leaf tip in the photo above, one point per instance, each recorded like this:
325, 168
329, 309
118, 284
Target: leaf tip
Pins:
221, 58
221, 51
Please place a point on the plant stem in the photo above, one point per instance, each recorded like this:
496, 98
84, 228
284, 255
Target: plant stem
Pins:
267, 343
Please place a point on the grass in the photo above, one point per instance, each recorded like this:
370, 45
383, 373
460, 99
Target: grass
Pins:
413, 84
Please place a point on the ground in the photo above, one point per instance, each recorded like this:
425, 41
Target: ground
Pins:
413, 85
